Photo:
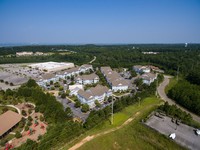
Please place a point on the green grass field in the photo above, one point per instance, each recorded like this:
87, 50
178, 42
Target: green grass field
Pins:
132, 136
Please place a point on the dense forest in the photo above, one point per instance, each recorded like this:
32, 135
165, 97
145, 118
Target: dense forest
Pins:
170, 57
187, 94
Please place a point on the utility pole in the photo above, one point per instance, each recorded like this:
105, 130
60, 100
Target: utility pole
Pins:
177, 72
157, 87
139, 100
112, 112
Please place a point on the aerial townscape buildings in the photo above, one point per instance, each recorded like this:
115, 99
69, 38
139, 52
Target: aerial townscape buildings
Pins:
98, 93
113, 78
77, 78
148, 73
19, 54
87, 79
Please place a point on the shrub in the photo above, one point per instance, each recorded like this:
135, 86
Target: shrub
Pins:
26, 128
18, 135
24, 113
3, 142
30, 118
29, 123
63, 95
30, 111
85, 108
41, 118
77, 104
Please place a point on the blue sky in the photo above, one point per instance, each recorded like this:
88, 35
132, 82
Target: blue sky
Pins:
99, 21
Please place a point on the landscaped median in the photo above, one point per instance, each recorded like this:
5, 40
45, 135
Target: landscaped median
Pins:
126, 131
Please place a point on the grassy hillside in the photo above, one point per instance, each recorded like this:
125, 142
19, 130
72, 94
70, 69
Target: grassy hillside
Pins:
134, 135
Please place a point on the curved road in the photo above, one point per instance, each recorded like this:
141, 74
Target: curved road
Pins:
93, 60
163, 96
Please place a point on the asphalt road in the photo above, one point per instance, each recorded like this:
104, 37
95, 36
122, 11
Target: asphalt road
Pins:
162, 94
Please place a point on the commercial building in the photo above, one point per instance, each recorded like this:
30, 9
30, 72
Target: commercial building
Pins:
52, 66
18, 54
8, 121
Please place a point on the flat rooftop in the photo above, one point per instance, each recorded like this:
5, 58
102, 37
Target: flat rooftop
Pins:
52, 66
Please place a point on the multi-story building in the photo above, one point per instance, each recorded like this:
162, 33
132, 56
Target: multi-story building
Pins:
148, 78
113, 78
141, 69
98, 93
87, 79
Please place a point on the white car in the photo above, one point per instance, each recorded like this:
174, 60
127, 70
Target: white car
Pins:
198, 132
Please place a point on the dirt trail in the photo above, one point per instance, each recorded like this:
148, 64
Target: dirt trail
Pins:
89, 138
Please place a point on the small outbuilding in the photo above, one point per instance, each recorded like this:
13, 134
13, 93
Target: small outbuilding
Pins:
8, 121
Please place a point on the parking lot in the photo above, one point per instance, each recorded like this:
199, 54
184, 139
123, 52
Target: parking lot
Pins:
185, 135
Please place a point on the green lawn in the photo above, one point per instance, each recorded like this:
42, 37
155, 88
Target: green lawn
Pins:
133, 136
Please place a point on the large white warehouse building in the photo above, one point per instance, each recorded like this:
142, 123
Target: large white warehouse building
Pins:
52, 66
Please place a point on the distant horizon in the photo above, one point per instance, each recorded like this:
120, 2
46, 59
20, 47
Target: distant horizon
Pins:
97, 44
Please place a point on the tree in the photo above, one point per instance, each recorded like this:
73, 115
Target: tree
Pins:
67, 92
26, 128
29, 123
18, 135
85, 108
63, 95
30, 118
29, 111
64, 81
138, 82
97, 103
51, 82
72, 78
77, 104
56, 84
61, 88
52, 88
31, 83
41, 118
24, 113
133, 73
